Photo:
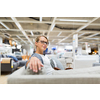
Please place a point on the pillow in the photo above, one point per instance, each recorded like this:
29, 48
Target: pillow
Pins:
14, 58
53, 63
59, 64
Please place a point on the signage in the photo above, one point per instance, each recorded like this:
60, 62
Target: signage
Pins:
75, 40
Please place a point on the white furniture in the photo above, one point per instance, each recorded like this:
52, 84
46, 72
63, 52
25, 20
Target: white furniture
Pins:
90, 57
85, 61
69, 58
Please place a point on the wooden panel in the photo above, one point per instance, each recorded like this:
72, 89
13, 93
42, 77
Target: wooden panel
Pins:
6, 60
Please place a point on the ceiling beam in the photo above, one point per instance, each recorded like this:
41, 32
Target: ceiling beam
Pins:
79, 29
21, 39
59, 34
21, 29
43, 32
71, 23
4, 25
28, 30
68, 23
32, 33
51, 27
88, 36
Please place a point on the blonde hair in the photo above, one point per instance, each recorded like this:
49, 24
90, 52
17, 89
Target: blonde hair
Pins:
37, 39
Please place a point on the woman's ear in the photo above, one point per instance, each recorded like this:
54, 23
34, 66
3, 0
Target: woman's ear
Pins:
35, 43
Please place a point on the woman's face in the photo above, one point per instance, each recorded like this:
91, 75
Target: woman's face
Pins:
41, 44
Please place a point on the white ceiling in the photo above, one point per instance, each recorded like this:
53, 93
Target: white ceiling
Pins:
59, 30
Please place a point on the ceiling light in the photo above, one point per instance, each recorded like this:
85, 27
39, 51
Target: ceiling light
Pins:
72, 20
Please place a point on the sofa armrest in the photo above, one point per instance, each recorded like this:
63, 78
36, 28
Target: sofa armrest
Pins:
54, 79
92, 77
6, 60
7, 64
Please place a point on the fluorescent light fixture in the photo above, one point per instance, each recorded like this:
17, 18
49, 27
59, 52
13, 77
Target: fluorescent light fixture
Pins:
31, 33
40, 19
59, 33
4, 25
52, 27
72, 20
81, 34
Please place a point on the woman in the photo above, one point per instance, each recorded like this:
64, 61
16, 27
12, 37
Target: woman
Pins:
38, 59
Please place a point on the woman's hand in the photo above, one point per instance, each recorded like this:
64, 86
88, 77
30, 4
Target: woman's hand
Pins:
35, 64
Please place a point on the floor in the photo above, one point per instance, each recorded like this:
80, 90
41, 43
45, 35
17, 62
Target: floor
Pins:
3, 79
4, 75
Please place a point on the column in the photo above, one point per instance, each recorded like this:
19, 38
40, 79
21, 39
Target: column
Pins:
79, 50
0, 40
86, 47
75, 45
